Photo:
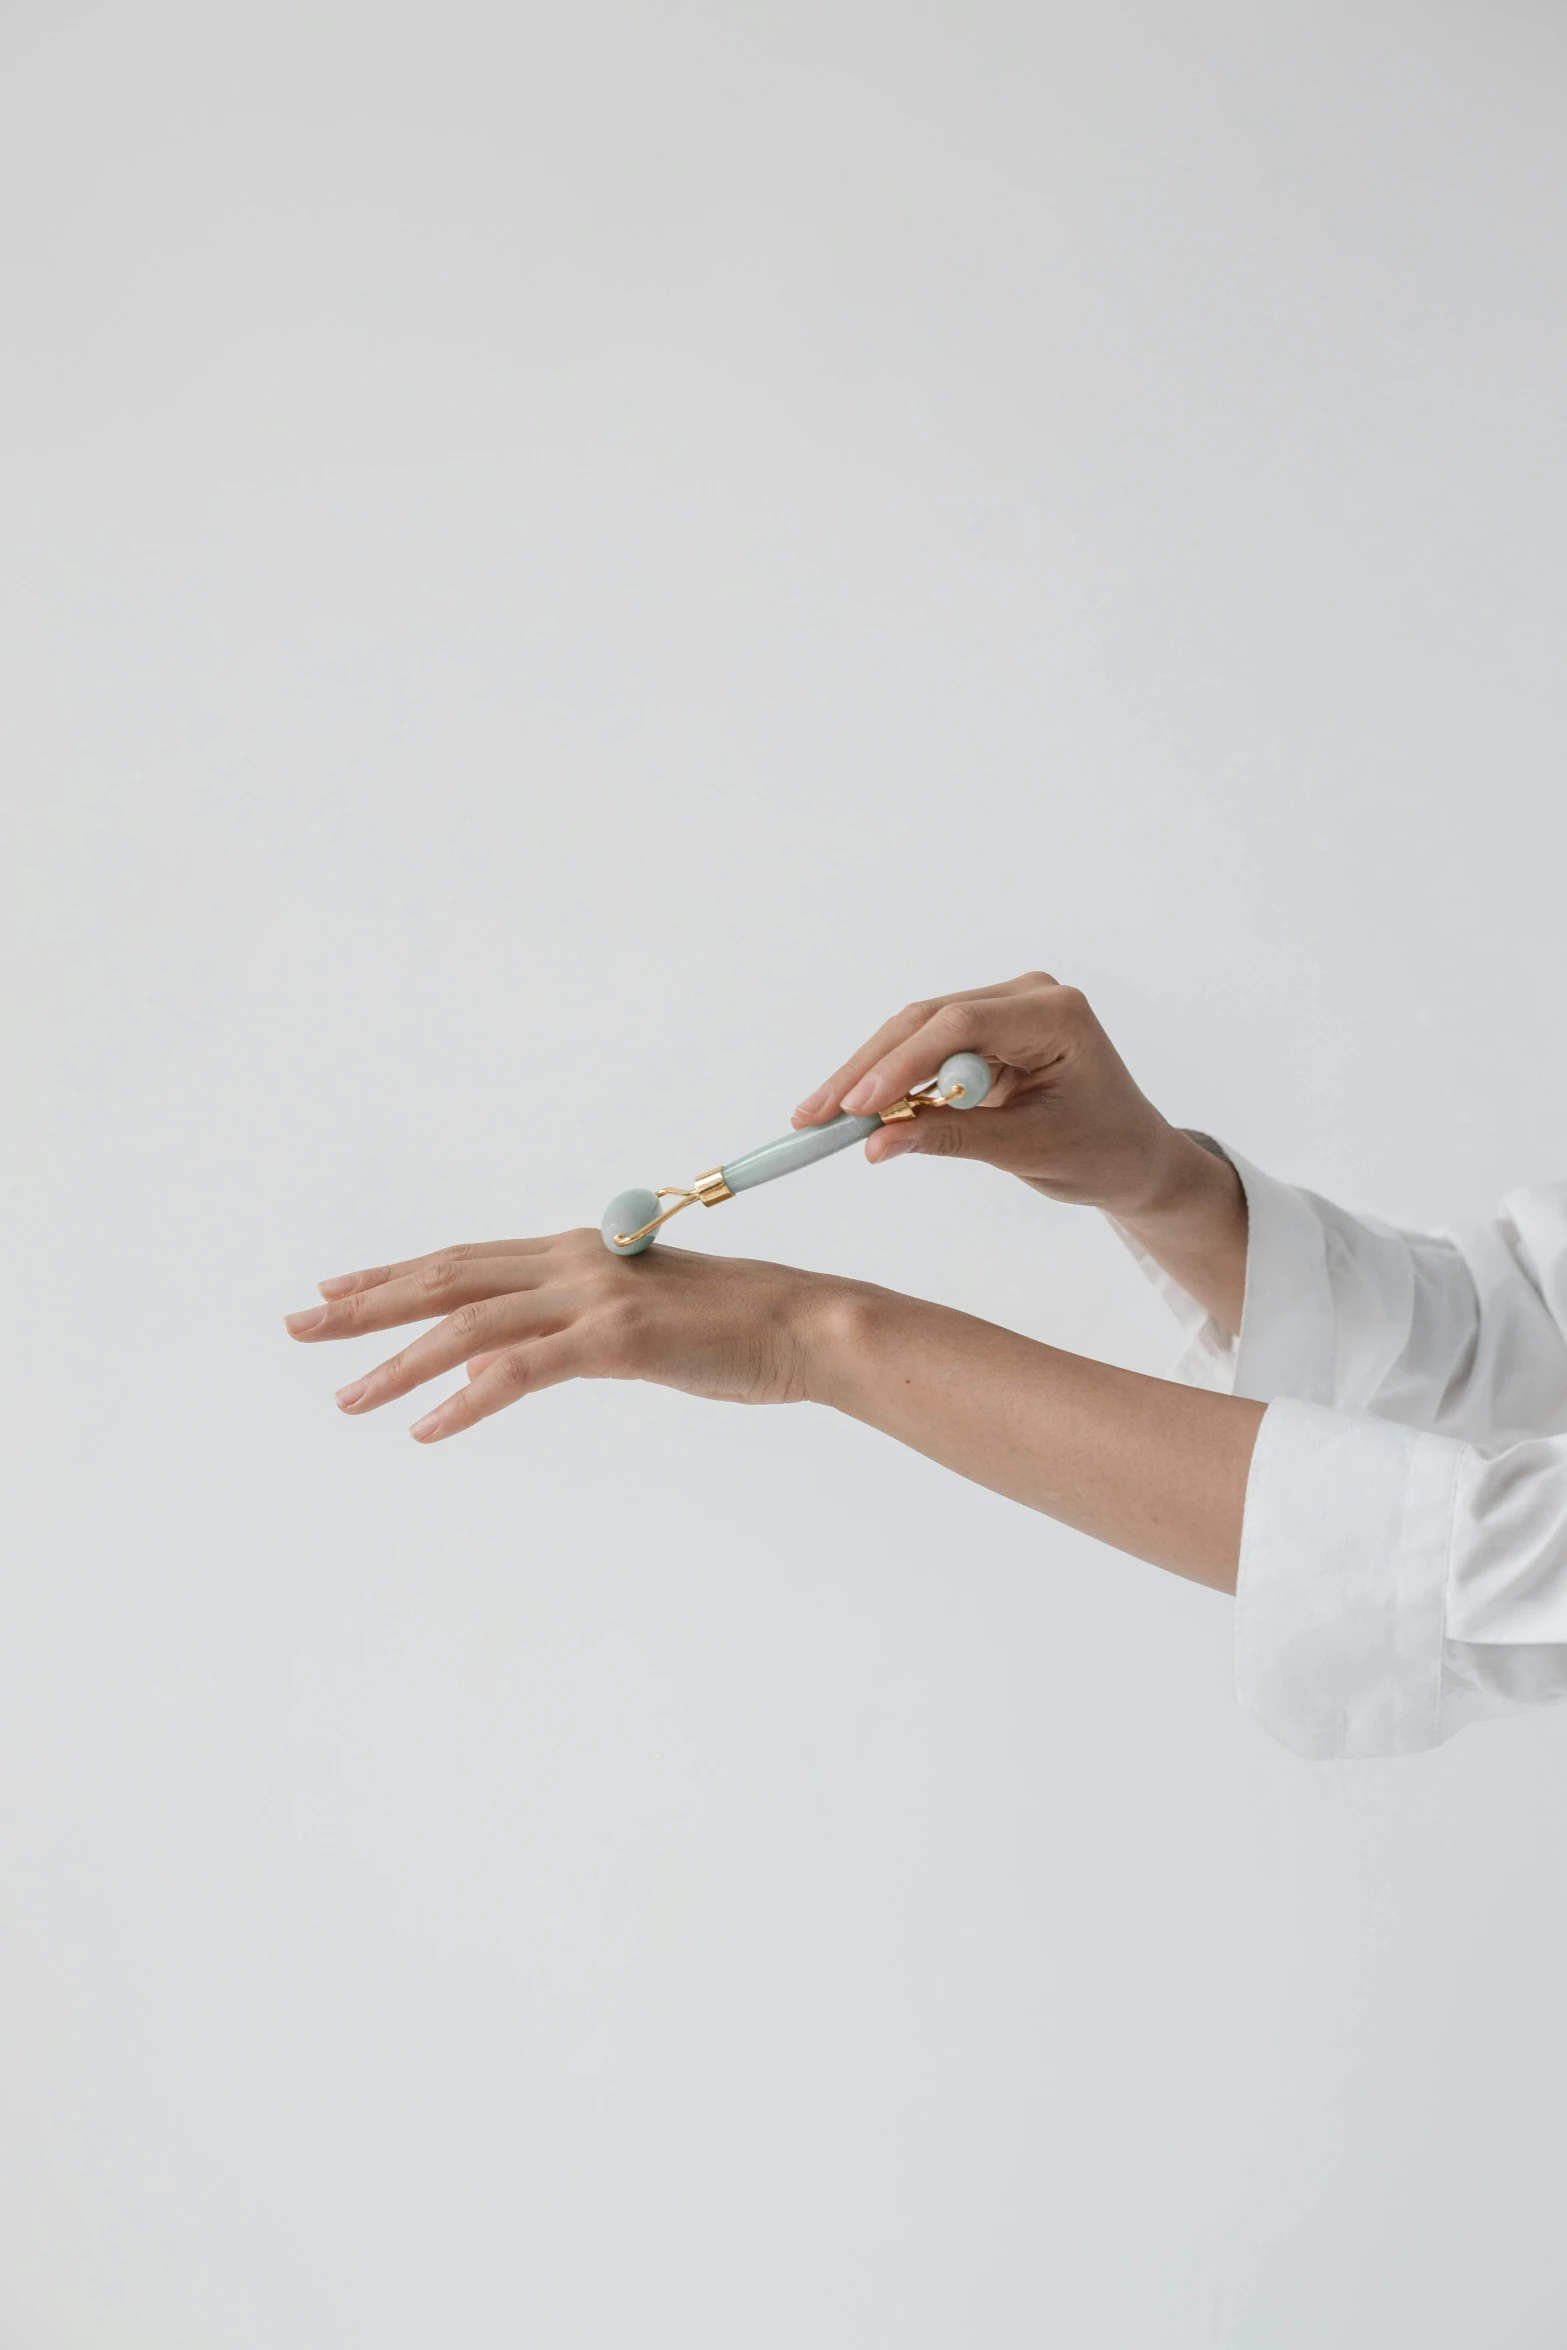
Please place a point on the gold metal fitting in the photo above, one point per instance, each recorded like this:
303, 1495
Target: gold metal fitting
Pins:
710, 1189
682, 1199
921, 1097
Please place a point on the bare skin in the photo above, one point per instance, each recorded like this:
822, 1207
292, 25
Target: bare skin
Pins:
1152, 1468
1149, 1467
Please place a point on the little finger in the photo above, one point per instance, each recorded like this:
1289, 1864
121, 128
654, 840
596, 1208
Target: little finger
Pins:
372, 1276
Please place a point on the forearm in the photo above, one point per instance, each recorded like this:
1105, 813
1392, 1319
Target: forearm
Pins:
1148, 1467
1192, 1220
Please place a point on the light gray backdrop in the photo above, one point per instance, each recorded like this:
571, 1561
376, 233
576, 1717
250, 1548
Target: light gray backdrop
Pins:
556, 566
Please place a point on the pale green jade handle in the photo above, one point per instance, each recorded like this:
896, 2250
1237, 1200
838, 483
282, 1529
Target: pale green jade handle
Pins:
628, 1211
801, 1149
962, 1083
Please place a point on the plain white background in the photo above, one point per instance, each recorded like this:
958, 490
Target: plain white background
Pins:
556, 567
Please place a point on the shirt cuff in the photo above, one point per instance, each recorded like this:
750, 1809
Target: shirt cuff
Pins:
1341, 1596
1289, 1327
1288, 1335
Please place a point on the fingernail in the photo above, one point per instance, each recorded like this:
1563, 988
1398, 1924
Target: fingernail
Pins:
813, 1101
339, 1285
425, 1427
859, 1097
894, 1147
348, 1396
298, 1324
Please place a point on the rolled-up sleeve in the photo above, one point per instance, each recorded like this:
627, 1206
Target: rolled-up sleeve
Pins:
1462, 1332
1403, 1564
1395, 1585
1342, 1590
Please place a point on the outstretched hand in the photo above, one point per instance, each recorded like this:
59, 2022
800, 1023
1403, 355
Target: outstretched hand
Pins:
527, 1314
1156, 1469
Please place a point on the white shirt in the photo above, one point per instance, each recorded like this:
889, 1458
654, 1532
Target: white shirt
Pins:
1403, 1564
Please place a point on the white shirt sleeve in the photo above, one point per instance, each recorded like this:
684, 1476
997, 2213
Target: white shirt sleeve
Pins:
1404, 1555
1463, 1332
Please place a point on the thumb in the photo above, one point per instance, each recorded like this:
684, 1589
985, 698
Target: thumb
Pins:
933, 1134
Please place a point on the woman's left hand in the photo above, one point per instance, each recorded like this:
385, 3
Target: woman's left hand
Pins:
526, 1314
1156, 1469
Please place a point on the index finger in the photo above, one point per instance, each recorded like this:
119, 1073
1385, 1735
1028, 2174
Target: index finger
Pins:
372, 1276
437, 1285
827, 1100
1031, 1030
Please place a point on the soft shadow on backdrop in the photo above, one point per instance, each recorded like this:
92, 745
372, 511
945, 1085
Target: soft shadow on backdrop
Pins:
555, 568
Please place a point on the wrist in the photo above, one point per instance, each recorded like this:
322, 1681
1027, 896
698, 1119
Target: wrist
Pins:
1196, 1225
1166, 1175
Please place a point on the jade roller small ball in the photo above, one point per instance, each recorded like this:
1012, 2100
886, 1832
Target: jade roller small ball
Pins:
962, 1081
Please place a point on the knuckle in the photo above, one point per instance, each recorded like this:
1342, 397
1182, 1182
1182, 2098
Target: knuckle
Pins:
944, 1137
921, 1010
1038, 979
435, 1275
511, 1370
1071, 1003
468, 1323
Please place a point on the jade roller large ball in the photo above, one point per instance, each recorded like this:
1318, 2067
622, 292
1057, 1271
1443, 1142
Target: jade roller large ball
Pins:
628, 1211
962, 1082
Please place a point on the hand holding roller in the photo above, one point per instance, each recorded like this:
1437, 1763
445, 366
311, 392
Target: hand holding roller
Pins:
632, 1220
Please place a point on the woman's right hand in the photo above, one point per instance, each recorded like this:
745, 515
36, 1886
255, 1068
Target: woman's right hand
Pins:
1063, 1113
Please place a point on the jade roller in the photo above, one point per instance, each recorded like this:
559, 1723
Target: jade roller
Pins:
631, 1221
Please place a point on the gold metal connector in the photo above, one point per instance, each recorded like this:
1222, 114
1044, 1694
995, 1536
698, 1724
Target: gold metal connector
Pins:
711, 1189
